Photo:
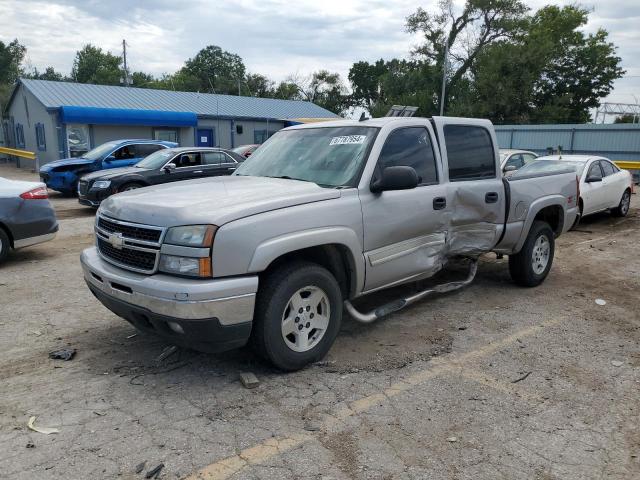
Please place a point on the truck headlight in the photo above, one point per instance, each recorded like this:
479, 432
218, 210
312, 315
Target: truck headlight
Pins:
101, 184
191, 235
193, 267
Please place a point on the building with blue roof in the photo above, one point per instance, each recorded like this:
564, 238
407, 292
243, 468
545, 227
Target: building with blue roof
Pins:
63, 119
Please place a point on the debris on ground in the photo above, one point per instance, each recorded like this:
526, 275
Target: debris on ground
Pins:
311, 427
45, 430
30, 444
140, 467
65, 354
249, 380
600, 301
617, 363
519, 379
132, 335
154, 473
166, 353
100, 414
452, 439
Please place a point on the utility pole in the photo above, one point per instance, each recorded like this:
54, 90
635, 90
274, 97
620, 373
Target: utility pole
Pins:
126, 80
444, 75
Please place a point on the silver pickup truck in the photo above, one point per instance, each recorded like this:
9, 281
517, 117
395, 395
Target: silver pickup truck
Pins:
321, 214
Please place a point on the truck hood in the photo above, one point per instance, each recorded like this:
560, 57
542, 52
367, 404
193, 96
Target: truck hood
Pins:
214, 201
65, 162
111, 173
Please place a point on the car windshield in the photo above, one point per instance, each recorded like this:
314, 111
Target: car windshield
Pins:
328, 156
548, 166
98, 153
156, 159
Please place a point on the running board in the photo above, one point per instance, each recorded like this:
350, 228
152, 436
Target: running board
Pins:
400, 303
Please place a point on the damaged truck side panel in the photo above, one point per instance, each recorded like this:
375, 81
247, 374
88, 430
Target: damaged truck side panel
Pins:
301, 240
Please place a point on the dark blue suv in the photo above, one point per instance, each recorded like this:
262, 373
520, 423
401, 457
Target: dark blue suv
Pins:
62, 175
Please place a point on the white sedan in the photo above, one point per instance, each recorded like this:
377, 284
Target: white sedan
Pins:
603, 186
512, 160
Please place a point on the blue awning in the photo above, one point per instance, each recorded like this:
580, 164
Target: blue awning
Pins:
125, 116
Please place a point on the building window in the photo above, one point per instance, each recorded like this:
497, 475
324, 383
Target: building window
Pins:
239, 129
19, 136
261, 136
77, 139
40, 138
166, 134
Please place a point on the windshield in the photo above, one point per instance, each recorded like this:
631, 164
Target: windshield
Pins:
156, 159
548, 166
98, 153
328, 156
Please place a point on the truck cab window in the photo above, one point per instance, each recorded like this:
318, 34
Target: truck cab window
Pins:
470, 153
410, 147
595, 170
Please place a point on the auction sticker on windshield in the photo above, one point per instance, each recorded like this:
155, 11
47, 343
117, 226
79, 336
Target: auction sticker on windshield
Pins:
348, 140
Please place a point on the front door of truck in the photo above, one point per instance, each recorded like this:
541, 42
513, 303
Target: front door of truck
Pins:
405, 230
471, 165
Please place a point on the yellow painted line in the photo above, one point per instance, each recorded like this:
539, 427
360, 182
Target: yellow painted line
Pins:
628, 164
18, 153
273, 447
482, 378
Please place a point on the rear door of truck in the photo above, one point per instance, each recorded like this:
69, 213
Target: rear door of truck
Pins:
475, 191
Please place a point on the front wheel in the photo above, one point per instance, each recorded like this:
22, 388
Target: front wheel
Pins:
298, 315
5, 245
530, 266
129, 186
623, 207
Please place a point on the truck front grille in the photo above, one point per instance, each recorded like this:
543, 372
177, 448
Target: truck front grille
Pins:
129, 245
127, 257
131, 231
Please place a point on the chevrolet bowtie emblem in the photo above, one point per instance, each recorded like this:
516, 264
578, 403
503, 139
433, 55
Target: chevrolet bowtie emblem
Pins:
116, 240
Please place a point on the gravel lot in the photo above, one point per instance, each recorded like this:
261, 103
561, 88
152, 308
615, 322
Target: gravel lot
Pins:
489, 382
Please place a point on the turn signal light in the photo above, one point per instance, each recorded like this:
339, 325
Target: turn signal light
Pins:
39, 193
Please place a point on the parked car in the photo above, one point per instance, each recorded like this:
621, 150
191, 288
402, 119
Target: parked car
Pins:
246, 150
512, 160
319, 216
163, 166
26, 215
63, 175
603, 186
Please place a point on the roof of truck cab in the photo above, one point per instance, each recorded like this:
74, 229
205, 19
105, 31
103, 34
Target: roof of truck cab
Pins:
372, 122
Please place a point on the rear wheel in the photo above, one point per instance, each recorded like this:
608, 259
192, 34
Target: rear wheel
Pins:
623, 207
5, 245
298, 315
530, 266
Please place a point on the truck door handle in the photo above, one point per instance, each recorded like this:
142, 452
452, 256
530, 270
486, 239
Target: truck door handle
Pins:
198, 171
439, 203
491, 197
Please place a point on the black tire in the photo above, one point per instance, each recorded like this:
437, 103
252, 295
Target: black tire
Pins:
623, 207
521, 264
274, 295
5, 245
130, 186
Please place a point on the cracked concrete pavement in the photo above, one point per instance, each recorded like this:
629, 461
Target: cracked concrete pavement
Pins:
437, 391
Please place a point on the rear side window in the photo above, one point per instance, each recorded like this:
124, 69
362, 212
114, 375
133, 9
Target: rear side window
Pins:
607, 168
594, 170
213, 158
145, 149
515, 161
410, 147
470, 153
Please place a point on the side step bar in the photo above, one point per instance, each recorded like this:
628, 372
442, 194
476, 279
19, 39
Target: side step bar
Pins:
400, 303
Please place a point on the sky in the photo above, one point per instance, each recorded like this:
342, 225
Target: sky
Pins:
274, 37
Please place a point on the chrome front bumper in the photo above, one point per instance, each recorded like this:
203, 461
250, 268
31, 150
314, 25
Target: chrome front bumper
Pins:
231, 301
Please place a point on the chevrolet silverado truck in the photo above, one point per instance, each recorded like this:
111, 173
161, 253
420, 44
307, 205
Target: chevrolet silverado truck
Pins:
320, 215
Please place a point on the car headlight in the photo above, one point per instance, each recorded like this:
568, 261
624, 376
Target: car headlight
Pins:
193, 267
191, 235
101, 184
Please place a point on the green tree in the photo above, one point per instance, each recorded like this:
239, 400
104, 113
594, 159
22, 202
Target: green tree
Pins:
257, 85
213, 70
11, 56
626, 118
480, 24
323, 88
48, 74
92, 65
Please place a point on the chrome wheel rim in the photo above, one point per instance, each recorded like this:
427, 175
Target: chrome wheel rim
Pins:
540, 255
130, 187
305, 319
626, 200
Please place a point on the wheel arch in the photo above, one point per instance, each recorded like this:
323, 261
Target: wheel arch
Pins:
548, 210
6, 230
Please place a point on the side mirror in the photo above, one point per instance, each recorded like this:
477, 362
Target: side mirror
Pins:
169, 167
593, 178
396, 178
109, 159
510, 168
